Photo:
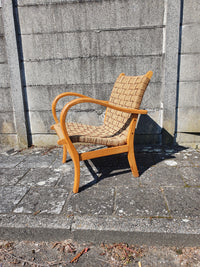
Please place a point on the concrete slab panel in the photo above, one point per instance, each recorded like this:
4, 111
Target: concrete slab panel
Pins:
87, 70
3, 57
45, 200
94, 200
4, 75
75, 16
189, 94
37, 161
7, 124
191, 175
183, 202
5, 100
150, 124
152, 96
9, 140
10, 196
31, 227
193, 16
44, 139
41, 97
87, 44
1, 22
189, 120
189, 66
41, 121
140, 202
162, 176
188, 158
188, 139
190, 39
40, 177
148, 139
10, 161
7, 177
67, 171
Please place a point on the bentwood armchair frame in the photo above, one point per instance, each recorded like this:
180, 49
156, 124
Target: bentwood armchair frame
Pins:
67, 139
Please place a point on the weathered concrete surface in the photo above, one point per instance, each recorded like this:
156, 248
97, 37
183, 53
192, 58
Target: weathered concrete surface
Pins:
161, 207
86, 44
189, 34
7, 123
193, 15
82, 46
70, 16
87, 70
15, 74
188, 124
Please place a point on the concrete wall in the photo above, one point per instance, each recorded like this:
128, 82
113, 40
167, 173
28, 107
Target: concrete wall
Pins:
7, 123
83, 45
189, 82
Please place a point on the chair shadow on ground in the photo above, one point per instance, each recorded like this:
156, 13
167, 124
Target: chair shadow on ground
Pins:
146, 153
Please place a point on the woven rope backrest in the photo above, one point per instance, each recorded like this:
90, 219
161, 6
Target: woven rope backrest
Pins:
127, 92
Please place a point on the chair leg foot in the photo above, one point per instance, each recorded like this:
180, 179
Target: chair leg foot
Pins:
132, 163
64, 154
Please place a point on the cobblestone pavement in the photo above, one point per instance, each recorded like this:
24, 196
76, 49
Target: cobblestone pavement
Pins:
161, 207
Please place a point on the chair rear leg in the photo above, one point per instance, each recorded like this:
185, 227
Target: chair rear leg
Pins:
132, 162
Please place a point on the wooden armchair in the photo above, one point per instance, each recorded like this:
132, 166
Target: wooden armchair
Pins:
117, 131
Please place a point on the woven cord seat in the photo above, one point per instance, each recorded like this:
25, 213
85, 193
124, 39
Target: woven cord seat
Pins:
99, 135
117, 131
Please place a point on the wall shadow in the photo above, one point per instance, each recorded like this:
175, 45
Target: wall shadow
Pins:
152, 145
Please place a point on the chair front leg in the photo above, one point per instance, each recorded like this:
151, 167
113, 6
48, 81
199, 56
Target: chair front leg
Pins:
64, 154
132, 161
75, 157
130, 142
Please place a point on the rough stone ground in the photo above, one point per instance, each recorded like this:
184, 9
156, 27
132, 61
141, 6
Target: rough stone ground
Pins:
176, 180
27, 253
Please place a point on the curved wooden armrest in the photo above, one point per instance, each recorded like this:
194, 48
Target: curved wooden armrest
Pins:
95, 101
61, 96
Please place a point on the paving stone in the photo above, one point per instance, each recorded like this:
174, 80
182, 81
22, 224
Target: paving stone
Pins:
140, 202
189, 157
10, 161
10, 176
40, 177
195, 159
183, 202
10, 196
44, 200
67, 171
37, 161
191, 175
161, 175
118, 178
94, 200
